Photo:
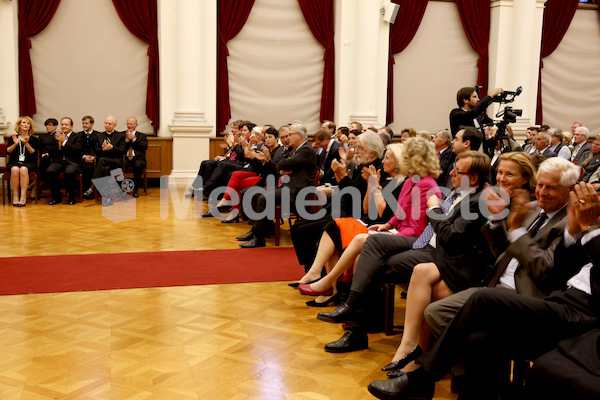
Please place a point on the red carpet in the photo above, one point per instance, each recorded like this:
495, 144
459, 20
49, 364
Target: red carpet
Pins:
49, 274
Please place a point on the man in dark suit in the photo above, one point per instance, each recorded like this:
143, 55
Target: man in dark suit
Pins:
297, 172
524, 243
65, 159
470, 108
109, 150
330, 151
90, 136
136, 144
452, 240
581, 147
48, 145
442, 142
591, 164
495, 326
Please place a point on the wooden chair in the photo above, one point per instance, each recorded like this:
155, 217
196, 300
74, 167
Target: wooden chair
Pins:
390, 300
4, 171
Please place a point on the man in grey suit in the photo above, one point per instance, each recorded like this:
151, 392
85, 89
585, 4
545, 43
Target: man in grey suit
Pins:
525, 243
581, 147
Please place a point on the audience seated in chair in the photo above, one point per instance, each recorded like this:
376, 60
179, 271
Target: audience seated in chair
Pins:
306, 233
136, 144
495, 326
109, 150
65, 159
416, 160
452, 241
22, 159
264, 162
300, 169
88, 156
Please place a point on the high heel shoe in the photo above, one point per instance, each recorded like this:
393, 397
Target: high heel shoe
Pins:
231, 221
403, 362
334, 300
305, 289
296, 284
209, 213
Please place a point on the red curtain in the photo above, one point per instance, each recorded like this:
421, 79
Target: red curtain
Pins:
34, 16
319, 17
401, 34
475, 18
140, 17
558, 15
231, 17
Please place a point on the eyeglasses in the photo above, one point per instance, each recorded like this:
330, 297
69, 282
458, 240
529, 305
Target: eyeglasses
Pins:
460, 172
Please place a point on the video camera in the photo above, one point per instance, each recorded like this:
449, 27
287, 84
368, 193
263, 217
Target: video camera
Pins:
508, 114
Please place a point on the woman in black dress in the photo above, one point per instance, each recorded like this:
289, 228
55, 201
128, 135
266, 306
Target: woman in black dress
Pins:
22, 159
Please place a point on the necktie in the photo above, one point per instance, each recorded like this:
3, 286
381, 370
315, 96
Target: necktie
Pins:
503, 263
130, 154
324, 160
428, 231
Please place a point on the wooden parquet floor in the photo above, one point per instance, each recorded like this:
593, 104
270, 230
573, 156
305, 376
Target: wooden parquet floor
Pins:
242, 341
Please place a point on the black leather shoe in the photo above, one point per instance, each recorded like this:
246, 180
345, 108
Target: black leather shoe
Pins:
352, 340
53, 202
343, 313
401, 388
71, 202
135, 194
89, 194
231, 221
189, 195
332, 301
403, 362
246, 237
396, 374
254, 242
107, 202
209, 213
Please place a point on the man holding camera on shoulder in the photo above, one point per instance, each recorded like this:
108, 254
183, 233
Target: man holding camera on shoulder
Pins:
470, 108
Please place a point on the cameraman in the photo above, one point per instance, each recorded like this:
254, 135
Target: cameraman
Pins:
470, 108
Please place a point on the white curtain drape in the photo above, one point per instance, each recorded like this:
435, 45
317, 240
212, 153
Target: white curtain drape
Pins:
571, 77
427, 74
276, 67
87, 63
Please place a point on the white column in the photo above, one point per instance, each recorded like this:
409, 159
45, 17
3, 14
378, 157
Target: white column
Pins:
362, 46
9, 77
515, 44
188, 71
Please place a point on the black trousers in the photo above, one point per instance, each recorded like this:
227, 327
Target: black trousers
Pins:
496, 326
388, 258
70, 169
138, 166
567, 372
104, 165
306, 235
87, 172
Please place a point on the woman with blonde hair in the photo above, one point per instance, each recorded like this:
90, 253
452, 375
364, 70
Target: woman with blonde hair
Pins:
22, 159
420, 165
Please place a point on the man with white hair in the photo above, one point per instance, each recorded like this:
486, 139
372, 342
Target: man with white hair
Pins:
301, 168
542, 143
581, 147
